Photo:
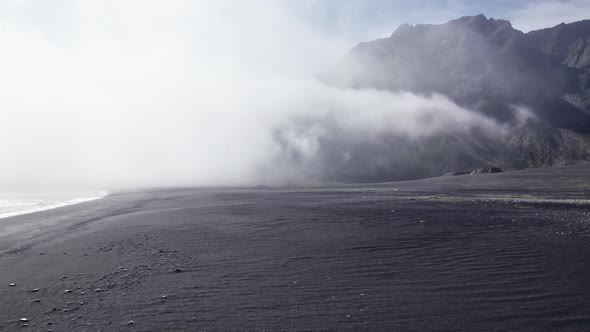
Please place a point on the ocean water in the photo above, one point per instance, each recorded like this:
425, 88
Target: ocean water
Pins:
22, 202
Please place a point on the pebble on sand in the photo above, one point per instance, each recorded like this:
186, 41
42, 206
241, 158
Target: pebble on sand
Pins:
23, 320
35, 290
68, 291
12, 284
130, 322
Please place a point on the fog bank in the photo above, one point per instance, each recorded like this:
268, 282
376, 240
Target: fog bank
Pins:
142, 94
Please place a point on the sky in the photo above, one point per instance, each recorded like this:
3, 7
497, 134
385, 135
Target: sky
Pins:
361, 20
137, 93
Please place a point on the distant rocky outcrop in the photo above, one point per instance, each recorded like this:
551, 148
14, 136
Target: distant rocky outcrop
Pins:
487, 170
456, 173
481, 170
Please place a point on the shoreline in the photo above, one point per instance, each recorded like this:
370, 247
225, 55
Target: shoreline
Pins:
69, 202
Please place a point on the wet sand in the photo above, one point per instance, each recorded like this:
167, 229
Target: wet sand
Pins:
504, 251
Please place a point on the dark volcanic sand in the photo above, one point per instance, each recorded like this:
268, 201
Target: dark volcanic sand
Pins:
470, 253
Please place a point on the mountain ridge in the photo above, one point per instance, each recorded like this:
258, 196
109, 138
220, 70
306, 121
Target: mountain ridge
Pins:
489, 67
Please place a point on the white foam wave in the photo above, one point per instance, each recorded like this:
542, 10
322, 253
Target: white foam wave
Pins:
18, 203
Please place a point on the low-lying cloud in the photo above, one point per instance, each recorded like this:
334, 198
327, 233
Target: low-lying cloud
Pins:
138, 94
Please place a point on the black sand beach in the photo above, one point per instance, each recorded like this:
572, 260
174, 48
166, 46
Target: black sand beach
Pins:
506, 251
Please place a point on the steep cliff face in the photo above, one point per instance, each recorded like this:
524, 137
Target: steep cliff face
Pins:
568, 43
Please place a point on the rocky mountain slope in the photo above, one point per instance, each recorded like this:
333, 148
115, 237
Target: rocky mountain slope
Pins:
569, 44
482, 64
487, 66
